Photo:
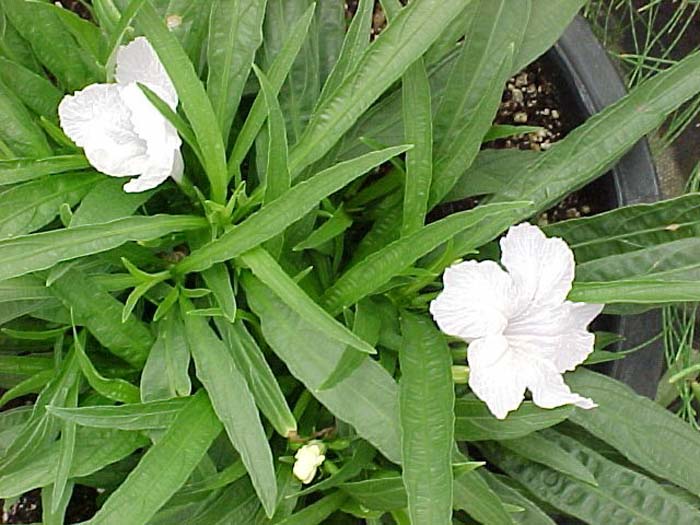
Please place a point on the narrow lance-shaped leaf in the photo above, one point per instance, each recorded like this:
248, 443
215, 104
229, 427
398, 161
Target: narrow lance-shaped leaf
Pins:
277, 179
417, 118
188, 438
622, 495
116, 389
536, 447
285, 210
367, 399
630, 228
233, 403
39, 251
153, 415
355, 43
367, 325
20, 170
35, 91
568, 165
396, 48
261, 380
67, 449
276, 74
27, 207
474, 421
368, 275
101, 313
19, 132
266, 269
235, 33
426, 402
193, 97
632, 424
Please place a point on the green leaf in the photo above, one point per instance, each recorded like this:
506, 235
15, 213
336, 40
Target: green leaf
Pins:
234, 405
473, 495
367, 399
52, 43
154, 415
380, 493
503, 131
417, 118
101, 313
546, 23
218, 280
302, 86
31, 385
107, 201
276, 74
672, 261
277, 180
377, 269
354, 45
235, 33
426, 403
116, 389
622, 496
261, 380
11, 424
19, 132
35, 91
568, 164
490, 172
630, 228
14, 47
474, 421
39, 251
95, 449
265, 268
20, 170
193, 98
394, 50
30, 206
187, 440
67, 443
532, 515
645, 433
536, 447
332, 228
285, 210
472, 92
636, 291
41, 429
317, 512
366, 325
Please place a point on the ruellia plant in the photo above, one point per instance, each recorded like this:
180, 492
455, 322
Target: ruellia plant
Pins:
263, 322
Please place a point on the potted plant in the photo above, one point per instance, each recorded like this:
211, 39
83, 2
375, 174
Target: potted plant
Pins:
263, 325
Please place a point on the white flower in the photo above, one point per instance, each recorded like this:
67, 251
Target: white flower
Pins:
308, 459
122, 133
522, 333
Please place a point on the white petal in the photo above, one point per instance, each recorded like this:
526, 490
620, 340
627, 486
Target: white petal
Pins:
98, 120
475, 301
162, 140
138, 62
541, 268
555, 334
549, 390
495, 375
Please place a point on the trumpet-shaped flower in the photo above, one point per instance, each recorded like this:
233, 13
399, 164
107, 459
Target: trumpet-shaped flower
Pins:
522, 332
122, 133
308, 459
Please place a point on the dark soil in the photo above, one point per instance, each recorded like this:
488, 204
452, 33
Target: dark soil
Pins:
534, 97
81, 508
77, 7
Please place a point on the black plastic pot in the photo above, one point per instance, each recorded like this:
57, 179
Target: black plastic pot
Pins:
594, 83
